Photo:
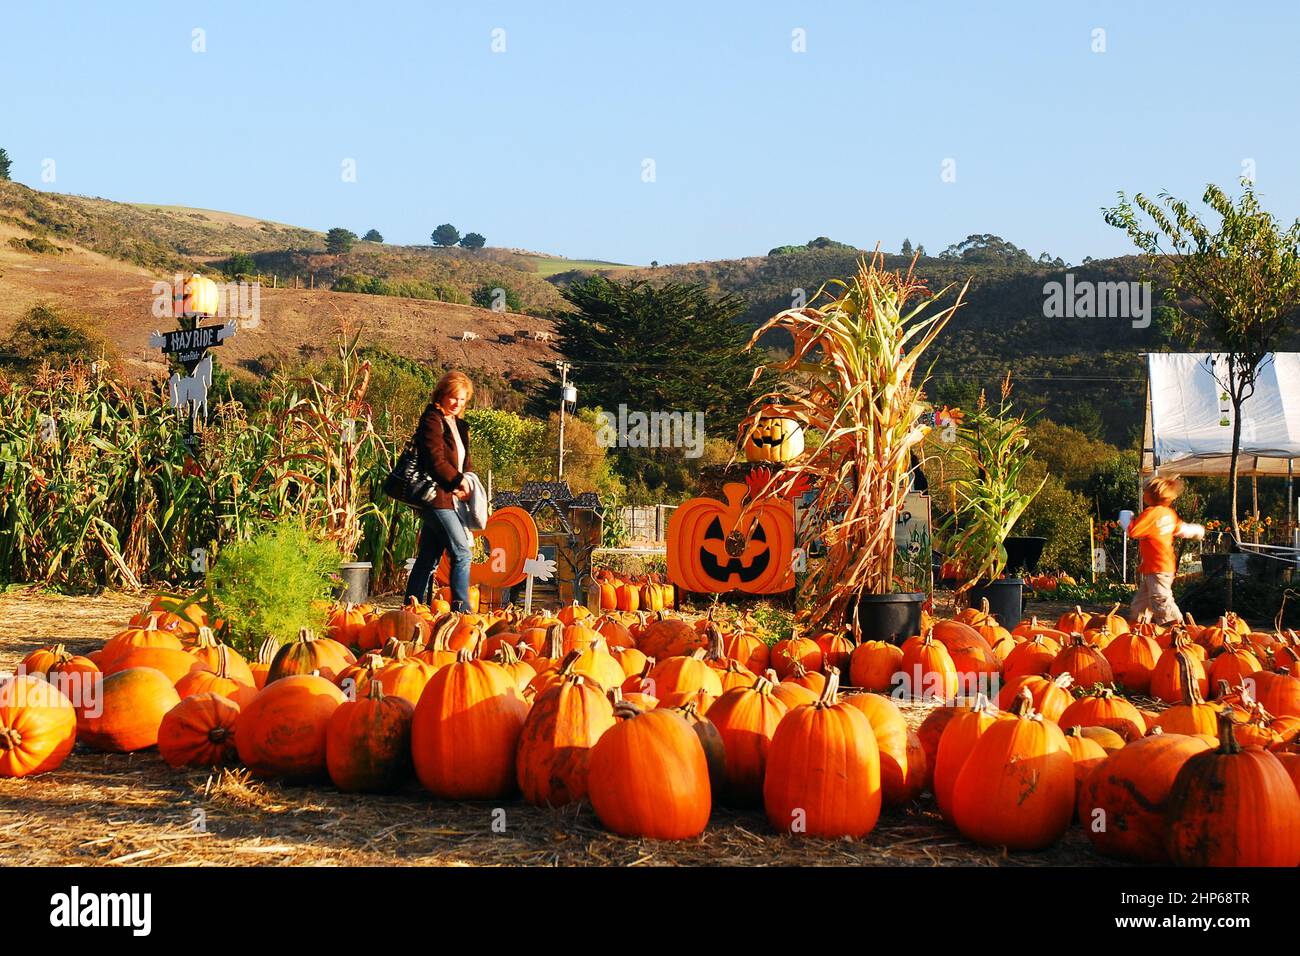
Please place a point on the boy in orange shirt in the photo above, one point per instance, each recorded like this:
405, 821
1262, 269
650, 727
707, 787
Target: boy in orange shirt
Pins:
1155, 530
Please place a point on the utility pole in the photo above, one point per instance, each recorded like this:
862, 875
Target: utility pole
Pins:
564, 388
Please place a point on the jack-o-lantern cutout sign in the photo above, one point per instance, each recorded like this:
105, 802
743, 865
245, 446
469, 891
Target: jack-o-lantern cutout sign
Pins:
771, 436
716, 546
509, 540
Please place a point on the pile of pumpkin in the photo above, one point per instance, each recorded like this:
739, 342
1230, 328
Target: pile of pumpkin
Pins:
622, 592
653, 718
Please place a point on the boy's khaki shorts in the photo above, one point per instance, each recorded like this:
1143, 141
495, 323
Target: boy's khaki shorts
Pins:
1156, 594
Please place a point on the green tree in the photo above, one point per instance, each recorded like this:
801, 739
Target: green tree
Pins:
673, 347
372, 236
5, 164
497, 297
239, 263
1237, 285
473, 240
445, 235
339, 240
907, 248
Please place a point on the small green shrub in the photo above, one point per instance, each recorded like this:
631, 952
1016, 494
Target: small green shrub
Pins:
37, 245
273, 584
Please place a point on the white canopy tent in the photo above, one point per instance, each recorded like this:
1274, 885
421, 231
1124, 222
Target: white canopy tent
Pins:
1189, 418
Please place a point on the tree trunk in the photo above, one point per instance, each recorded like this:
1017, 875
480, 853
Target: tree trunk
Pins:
1237, 400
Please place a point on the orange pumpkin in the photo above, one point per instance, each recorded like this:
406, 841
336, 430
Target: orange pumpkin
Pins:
823, 770
281, 733
130, 707
368, 742
747, 717
38, 726
671, 803
466, 729
199, 732
555, 744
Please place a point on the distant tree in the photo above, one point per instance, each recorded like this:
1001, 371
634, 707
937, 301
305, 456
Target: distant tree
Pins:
497, 297
239, 263
445, 235
1087, 259
473, 240
920, 251
5, 163
372, 236
339, 240
654, 263
986, 248
907, 248
1239, 284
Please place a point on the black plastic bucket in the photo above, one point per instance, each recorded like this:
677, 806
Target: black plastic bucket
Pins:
888, 617
1005, 599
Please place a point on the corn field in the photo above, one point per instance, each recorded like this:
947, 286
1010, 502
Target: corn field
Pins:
98, 485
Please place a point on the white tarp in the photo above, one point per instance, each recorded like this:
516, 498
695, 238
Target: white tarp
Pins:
1189, 422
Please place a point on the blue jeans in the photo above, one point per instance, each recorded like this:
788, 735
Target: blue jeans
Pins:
441, 532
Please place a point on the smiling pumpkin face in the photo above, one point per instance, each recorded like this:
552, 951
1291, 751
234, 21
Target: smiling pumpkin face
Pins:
716, 546
775, 439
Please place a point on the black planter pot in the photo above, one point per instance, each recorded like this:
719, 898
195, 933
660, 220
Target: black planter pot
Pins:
889, 617
1005, 599
1023, 554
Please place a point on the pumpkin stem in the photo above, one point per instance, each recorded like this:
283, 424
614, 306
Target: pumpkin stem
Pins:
1227, 733
376, 691
266, 652
1023, 705
1190, 688
571, 658
627, 710
1064, 681
306, 635
10, 738
555, 641
615, 695
832, 687
762, 684
217, 734
717, 649
1075, 731
464, 656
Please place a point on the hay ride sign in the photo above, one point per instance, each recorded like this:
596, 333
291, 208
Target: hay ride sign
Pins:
733, 545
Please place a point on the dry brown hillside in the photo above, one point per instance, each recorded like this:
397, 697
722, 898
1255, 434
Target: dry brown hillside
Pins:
117, 295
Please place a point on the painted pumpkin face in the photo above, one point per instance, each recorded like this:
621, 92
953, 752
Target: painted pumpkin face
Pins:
714, 547
199, 296
774, 439
509, 540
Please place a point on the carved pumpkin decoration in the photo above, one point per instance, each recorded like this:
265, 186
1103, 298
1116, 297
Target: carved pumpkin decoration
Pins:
772, 436
510, 539
715, 547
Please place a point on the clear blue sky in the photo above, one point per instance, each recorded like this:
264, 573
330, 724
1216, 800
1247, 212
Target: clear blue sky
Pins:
754, 145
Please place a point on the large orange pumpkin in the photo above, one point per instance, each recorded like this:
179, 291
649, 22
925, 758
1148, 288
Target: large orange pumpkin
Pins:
130, 706
281, 733
310, 654
747, 717
38, 726
466, 730
716, 546
647, 776
1233, 807
902, 758
1121, 803
555, 744
1016, 789
874, 665
823, 770
368, 742
959, 737
199, 732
